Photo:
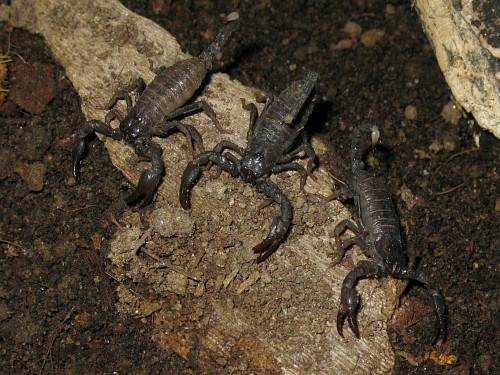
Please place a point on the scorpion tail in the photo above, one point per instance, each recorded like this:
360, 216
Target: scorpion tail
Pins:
220, 41
357, 150
437, 298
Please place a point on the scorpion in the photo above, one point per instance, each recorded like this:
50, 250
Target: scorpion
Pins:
271, 147
156, 108
378, 235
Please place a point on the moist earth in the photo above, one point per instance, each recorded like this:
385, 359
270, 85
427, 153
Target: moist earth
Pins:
57, 286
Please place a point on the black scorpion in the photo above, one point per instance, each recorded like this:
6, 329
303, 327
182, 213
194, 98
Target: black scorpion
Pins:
153, 114
378, 235
271, 147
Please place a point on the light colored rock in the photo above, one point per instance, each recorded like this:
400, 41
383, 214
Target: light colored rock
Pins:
468, 62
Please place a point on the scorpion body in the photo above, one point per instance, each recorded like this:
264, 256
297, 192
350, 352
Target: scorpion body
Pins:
270, 148
153, 114
378, 235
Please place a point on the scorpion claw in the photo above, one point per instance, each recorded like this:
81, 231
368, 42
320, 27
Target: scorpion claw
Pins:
188, 177
340, 322
78, 150
353, 325
146, 187
76, 171
277, 232
349, 301
341, 316
266, 248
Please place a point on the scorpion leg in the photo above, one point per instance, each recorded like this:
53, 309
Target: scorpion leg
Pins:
342, 246
192, 135
349, 298
293, 167
196, 106
92, 126
308, 150
284, 162
149, 180
429, 283
112, 115
306, 145
280, 224
138, 85
233, 159
219, 147
267, 100
253, 117
193, 170
345, 191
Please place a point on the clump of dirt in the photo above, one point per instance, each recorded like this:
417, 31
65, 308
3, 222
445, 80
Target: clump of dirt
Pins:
34, 87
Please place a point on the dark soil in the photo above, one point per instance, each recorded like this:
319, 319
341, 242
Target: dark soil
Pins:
57, 310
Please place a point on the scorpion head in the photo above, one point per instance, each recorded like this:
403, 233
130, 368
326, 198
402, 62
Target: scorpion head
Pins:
392, 256
132, 126
252, 166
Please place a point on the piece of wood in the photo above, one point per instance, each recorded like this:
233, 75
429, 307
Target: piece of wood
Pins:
465, 41
274, 317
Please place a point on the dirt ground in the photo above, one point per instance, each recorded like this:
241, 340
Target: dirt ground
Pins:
57, 296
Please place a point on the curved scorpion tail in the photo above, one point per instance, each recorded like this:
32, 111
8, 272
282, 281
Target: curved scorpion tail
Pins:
220, 41
357, 150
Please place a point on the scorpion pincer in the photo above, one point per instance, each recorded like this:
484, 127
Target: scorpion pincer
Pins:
156, 107
271, 147
378, 235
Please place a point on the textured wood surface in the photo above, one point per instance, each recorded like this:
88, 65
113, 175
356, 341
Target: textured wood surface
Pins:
464, 43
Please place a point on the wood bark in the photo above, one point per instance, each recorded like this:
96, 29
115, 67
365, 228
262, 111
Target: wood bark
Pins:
102, 47
464, 35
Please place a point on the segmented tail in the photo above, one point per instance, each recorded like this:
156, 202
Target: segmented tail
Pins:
357, 150
208, 56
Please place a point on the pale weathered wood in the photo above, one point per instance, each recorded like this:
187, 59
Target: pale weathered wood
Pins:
469, 63
103, 46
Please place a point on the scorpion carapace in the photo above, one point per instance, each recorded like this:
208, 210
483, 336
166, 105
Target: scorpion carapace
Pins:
156, 107
271, 147
377, 233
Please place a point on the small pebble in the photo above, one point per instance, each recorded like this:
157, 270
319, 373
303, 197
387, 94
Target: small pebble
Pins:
34, 176
176, 283
200, 290
343, 44
172, 222
287, 294
233, 16
352, 29
71, 181
266, 277
451, 113
371, 37
411, 113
